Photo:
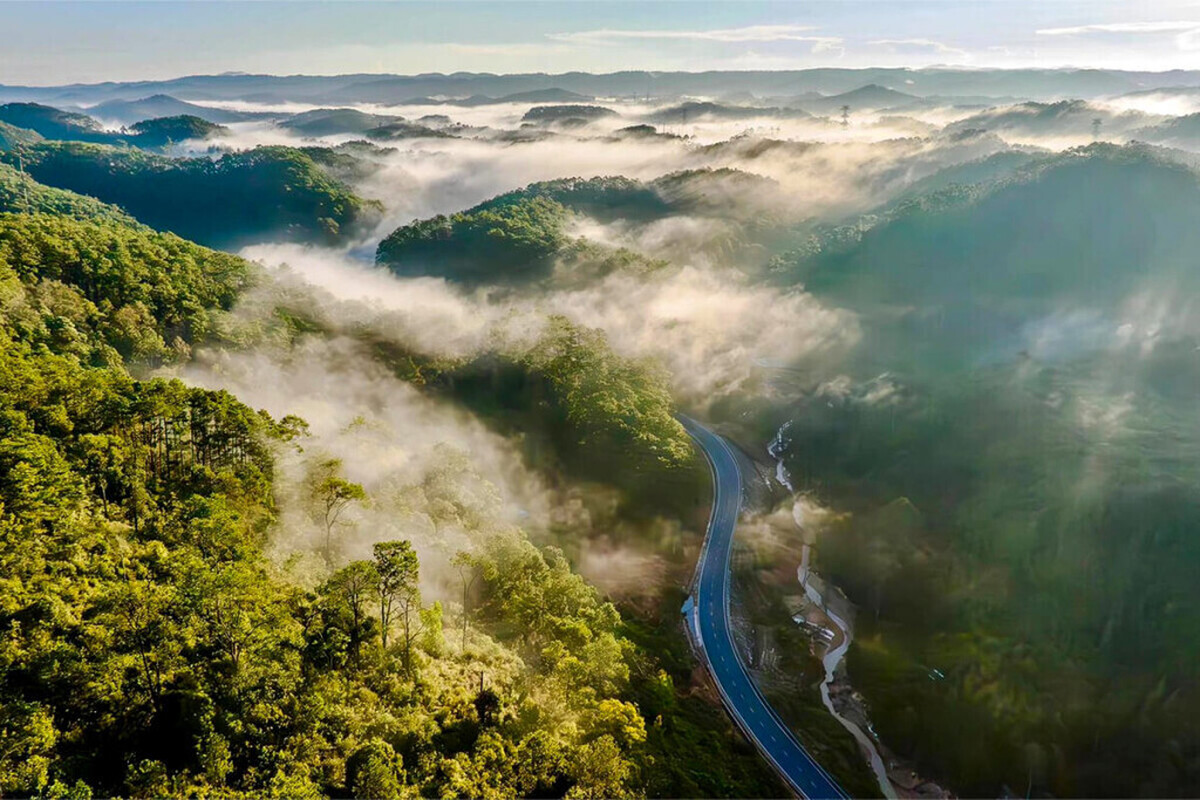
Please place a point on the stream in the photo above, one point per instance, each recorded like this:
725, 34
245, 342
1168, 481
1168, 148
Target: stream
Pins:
834, 656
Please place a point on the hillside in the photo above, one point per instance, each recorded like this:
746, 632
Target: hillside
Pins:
553, 95
127, 112
54, 124
12, 136
181, 650
524, 235
871, 97
1181, 131
238, 197
331, 121
145, 539
405, 130
559, 113
163, 131
697, 111
1082, 227
20, 193
1064, 118
1025, 382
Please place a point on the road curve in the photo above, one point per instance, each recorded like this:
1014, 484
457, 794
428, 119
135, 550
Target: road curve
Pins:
709, 626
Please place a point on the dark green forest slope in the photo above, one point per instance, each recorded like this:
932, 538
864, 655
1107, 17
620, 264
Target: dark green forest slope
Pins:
20, 193
268, 192
523, 236
1015, 445
11, 136
162, 131
52, 123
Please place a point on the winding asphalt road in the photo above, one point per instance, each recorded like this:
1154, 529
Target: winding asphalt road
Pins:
708, 612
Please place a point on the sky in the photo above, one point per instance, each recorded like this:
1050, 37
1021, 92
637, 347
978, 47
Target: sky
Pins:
48, 43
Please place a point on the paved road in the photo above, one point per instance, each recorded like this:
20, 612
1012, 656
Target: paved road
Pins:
710, 624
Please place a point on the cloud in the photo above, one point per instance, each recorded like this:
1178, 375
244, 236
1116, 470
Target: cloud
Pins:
751, 33
1187, 32
920, 46
1121, 27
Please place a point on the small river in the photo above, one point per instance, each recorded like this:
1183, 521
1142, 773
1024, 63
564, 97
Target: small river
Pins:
834, 656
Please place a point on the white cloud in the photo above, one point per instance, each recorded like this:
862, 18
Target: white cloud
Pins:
1189, 40
750, 33
920, 46
1187, 32
1122, 27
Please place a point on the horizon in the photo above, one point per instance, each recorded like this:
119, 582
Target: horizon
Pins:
585, 399
122, 42
598, 74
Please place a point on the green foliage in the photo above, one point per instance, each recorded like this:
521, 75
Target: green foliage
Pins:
522, 236
393, 131
235, 198
614, 405
516, 244
89, 288
397, 570
606, 199
582, 408
29, 123
150, 648
1019, 485
332, 121
348, 162
332, 494
54, 124
162, 131
131, 513
11, 136
561, 113
375, 772
20, 193
1071, 224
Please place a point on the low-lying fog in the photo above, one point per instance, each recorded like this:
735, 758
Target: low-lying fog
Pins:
711, 322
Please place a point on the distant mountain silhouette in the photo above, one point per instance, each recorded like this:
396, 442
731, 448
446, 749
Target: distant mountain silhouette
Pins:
54, 123
1066, 117
695, 111
332, 121
871, 97
127, 112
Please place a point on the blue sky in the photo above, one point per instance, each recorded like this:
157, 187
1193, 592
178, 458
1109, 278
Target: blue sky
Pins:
59, 42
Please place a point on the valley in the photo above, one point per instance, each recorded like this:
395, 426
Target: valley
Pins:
356, 435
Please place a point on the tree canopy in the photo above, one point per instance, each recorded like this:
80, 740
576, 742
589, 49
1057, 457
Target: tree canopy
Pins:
277, 192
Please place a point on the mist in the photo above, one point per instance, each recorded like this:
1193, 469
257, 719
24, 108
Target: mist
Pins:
433, 474
709, 328
824, 170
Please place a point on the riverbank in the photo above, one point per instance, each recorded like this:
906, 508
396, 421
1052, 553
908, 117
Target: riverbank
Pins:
828, 618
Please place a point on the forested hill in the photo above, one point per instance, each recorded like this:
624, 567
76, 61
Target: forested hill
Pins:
20, 193
152, 649
524, 235
53, 123
12, 135
1082, 228
1015, 454
162, 131
276, 193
